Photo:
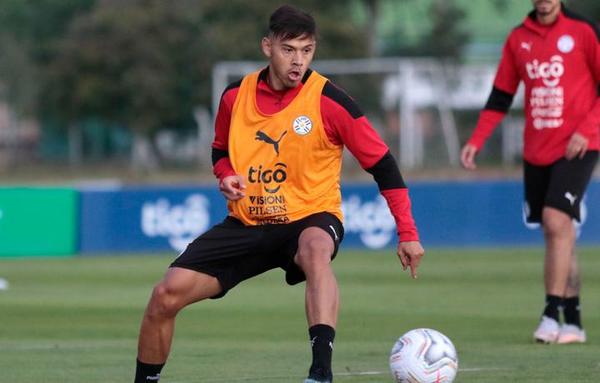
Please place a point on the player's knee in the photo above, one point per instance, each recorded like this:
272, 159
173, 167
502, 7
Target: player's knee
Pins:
556, 223
164, 303
314, 253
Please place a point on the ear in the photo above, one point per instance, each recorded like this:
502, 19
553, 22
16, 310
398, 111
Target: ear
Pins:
266, 44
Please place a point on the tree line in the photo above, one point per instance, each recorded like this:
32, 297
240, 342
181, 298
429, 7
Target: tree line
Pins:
145, 64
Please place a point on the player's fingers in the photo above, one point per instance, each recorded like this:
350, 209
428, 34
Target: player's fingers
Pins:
413, 270
415, 260
403, 259
583, 150
468, 157
464, 158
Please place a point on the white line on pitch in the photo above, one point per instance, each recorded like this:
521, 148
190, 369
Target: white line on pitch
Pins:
356, 373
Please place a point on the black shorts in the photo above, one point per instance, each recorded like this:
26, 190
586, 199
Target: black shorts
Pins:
560, 185
233, 252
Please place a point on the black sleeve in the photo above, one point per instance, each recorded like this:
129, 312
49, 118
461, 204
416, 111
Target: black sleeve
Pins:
217, 154
339, 96
386, 173
499, 100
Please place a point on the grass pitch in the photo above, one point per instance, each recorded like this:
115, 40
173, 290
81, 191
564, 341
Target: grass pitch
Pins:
76, 320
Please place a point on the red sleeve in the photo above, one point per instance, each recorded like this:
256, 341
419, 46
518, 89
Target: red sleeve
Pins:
355, 132
507, 75
223, 119
346, 125
488, 120
591, 122
221, 163
399, 204
223, 168
505, 86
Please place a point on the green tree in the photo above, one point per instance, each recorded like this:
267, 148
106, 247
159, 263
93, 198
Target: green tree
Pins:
446, 39
135, 62
29, 31
146, 63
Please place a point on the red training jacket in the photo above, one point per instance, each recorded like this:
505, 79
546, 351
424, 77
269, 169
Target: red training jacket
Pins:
560, 67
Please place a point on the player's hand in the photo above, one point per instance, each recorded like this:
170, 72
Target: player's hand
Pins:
467, 156
233, 187
410, 254
577, 146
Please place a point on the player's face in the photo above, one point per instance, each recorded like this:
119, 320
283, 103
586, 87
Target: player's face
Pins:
288, 59
546, 7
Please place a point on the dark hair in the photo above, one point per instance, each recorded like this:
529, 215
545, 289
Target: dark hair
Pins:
288, 22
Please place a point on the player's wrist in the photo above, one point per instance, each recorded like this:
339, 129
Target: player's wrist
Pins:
408, 236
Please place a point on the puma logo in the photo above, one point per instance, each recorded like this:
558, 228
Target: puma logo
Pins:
262, 136
526, 46
572, 198
334, 232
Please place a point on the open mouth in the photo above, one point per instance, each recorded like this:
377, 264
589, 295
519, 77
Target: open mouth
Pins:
294, 75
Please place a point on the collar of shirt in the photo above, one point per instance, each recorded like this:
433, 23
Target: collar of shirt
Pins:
270, 101
532, 24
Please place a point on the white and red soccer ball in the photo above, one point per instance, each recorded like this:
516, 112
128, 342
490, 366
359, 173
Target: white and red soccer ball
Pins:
423, 356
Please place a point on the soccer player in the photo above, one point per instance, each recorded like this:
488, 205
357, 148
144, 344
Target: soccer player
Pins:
277, 153
557, 55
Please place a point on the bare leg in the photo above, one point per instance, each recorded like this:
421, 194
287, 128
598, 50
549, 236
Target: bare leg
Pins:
560, 243
315, 248
179, 288
574, 280
314, 258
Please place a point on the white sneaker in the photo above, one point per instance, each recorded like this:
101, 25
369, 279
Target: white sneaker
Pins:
547, 331
570, 333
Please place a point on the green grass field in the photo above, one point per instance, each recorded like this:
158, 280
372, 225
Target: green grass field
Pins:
76, 320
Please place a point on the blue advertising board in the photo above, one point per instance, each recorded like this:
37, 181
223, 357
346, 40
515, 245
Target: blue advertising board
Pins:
461, 213
147, 218
483, 213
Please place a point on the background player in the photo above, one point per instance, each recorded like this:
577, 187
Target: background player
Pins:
557, 55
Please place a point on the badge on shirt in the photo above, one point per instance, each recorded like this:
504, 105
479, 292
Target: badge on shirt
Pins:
565, 43
302, 125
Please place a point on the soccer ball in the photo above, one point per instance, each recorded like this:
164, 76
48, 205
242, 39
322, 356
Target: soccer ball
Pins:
423, 356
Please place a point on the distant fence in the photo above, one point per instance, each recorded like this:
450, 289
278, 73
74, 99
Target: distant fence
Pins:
152, 219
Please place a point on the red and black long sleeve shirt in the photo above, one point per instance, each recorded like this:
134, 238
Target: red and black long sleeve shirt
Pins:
560, 67
344, 124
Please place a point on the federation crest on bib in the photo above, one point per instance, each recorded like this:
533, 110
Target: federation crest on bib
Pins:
302, 125
565, 43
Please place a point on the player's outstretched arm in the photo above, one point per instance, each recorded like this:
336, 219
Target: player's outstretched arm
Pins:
410, 254
233, 187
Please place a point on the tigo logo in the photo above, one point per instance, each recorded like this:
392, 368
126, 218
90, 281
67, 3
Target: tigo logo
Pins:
271, 179
549, 72
179, 223
370, 219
